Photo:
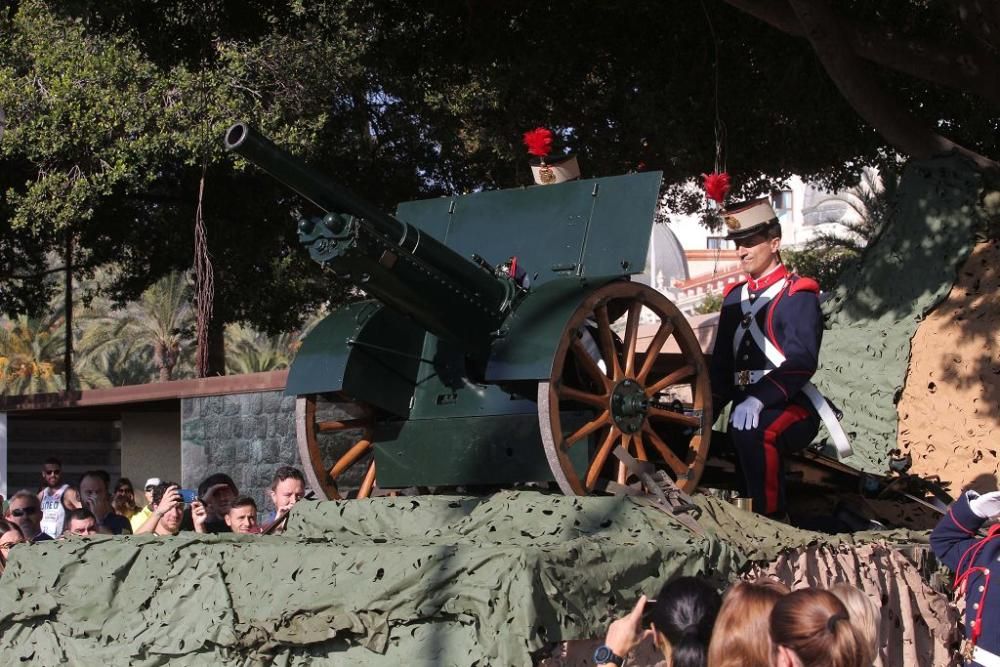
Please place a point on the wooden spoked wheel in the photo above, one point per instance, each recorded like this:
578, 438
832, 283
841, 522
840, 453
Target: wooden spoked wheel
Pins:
335, 437
619, 394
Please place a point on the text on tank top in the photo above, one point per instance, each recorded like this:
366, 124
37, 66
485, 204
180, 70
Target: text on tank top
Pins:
53, 511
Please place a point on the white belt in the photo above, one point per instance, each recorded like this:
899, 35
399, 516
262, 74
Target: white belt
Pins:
826, 413
983, 657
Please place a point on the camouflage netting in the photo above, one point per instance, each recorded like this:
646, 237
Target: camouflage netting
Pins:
875, 311
413, 580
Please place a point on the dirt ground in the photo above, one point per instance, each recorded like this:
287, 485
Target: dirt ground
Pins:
949, 413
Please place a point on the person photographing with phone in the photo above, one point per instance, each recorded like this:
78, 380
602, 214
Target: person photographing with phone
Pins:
679, 621
168, 511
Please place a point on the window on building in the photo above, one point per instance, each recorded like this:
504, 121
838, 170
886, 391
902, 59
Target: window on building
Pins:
718, 243
782, 200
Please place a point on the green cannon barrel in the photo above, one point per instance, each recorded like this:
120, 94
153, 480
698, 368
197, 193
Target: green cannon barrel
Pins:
391, 260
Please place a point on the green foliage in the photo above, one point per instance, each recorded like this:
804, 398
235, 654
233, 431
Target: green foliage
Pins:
249, 351
114, 110
825, 257
31, 355
712, 303
156, 329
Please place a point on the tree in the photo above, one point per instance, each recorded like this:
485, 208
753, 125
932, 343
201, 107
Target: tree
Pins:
895, 62
31, 355
712, 303
157, 326
113, 113
249, 351
825, 256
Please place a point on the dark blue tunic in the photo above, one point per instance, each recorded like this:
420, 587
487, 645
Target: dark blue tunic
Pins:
955, 536
792, 323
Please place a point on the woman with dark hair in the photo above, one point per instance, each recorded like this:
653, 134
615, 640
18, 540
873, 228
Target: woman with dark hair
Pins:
811, 628
681, 620
123, 501
10, 534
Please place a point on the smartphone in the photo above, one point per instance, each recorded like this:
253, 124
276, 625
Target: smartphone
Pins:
647, 612
188, 496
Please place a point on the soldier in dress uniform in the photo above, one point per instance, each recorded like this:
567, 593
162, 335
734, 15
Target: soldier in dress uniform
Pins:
974, 559
767, 349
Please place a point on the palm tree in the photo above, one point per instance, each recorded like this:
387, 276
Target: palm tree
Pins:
249, 351
31, 354
825, 256
158, 326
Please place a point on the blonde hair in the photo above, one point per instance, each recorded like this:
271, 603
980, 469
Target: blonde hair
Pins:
863, 616
815, 626
741, 636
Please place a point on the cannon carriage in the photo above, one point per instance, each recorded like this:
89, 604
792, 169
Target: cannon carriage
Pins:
501, 343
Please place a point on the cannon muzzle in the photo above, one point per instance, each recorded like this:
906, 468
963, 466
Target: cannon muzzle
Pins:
389, 259
255, 147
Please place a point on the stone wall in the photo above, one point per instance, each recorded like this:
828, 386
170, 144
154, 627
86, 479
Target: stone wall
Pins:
247, 436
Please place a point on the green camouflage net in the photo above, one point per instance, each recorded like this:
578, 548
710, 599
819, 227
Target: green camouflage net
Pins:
411, 580
876, 309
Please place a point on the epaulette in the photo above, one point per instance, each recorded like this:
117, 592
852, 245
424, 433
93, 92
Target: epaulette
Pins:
730, 287
803, 284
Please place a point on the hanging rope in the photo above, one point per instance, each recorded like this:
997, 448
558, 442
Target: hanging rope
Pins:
204, 278
716, 184
720, 127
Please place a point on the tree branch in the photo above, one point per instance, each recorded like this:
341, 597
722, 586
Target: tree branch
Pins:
964, 70
46, 272
865, 93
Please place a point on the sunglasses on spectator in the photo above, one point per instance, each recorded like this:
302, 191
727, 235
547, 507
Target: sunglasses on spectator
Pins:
51, 472
27, 511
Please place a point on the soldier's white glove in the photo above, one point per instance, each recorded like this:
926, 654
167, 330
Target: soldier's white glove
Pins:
746, 415
986, 505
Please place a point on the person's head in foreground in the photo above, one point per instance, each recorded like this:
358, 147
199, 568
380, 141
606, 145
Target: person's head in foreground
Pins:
811, 628
10, 534
864, 616
741, 638
169, 507
242, 516
80, 522
680, 622
217, 492
123, 500
287, 488
23, 510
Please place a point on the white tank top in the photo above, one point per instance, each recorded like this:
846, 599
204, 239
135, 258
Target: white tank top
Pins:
53, 511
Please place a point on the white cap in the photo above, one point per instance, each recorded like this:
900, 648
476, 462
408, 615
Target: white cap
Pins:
749, 218
152, 481
556, 170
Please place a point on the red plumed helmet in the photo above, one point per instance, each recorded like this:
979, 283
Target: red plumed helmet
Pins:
538, 141
716, 186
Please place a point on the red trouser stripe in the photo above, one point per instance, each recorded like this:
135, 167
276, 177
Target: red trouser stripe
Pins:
772, 460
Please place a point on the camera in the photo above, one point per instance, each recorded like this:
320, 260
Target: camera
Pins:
188, 496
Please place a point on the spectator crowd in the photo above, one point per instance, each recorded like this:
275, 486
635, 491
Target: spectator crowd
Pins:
754, 624
61, 511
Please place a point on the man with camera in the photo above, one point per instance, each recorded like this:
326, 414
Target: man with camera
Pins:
168, 511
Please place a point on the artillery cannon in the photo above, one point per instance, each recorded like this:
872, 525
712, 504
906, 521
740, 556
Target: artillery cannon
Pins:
505, 341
